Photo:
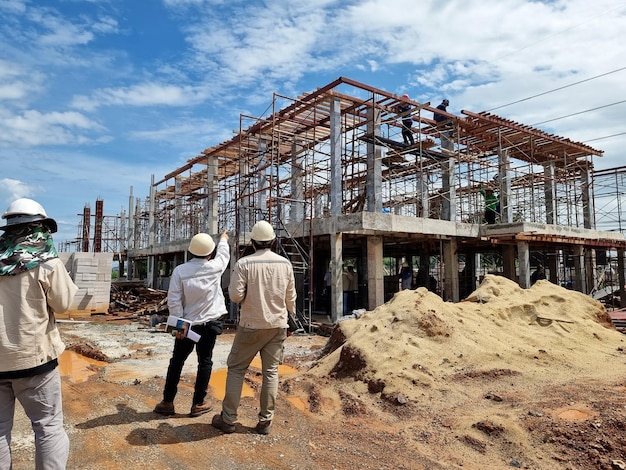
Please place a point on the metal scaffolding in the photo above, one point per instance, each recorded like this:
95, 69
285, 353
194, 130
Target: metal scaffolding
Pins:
312, 163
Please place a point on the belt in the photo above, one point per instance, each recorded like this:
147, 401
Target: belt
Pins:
206, 323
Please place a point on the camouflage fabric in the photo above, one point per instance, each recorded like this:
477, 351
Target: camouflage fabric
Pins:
25, 247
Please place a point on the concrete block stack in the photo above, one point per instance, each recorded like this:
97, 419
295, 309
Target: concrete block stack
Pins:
91, 273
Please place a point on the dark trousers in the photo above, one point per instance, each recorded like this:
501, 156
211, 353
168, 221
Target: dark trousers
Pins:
407, 133
182, 349
490, 216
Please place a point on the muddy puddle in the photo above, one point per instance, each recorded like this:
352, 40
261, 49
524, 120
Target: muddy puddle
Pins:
78, 368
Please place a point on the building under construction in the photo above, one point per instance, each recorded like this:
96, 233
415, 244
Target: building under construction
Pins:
330, 171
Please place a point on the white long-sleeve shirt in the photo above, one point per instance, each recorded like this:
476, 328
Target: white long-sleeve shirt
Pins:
195, 291
264, 284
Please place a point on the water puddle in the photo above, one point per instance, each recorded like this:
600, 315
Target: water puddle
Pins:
218, 381
218, 385
77, 367
283, 369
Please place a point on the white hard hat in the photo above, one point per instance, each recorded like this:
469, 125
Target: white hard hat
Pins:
262, 232
26, 211
201, 244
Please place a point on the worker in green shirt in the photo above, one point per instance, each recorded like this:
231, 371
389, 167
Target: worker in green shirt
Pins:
492, 205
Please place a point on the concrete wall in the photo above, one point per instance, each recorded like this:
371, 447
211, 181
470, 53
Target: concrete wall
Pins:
91, 273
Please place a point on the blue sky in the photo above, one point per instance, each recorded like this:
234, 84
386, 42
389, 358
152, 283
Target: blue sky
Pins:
98, 95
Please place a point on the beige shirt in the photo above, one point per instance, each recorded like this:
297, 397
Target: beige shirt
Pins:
28, 302
264, 284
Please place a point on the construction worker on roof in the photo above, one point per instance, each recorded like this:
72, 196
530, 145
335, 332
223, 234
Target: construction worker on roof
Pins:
404, 110
444, 123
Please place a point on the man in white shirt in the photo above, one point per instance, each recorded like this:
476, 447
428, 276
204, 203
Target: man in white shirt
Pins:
195, 294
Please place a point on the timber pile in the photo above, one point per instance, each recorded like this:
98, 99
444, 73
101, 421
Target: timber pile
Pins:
134, 298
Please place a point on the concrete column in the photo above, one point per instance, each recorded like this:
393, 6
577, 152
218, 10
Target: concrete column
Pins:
336, 266
549, 190
245, 219
523, 256
587, 198
151, 272
374, 166
375, 280
451, 271
580, 282
212, 200
261, 180
449, 191
151, 216
508, 259
590, 269
336, 199
422, 192
130, 240
318, 210
621, 277
137, 236
296, 214
179, 220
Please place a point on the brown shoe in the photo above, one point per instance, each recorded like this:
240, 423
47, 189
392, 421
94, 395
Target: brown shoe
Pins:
200, 409
218, 422
165, 408
263, 427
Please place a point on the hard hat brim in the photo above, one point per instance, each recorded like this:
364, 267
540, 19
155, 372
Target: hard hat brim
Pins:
48, 222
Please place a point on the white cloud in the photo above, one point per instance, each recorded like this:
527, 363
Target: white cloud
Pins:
33, 128
58, 31
11, 189
13, 6
143, 94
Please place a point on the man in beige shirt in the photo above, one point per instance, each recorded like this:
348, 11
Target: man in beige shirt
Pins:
34, 285
263, 283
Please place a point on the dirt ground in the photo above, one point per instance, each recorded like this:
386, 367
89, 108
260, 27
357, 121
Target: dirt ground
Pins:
512, 378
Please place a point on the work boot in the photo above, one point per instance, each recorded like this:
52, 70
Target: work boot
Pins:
263, 427
200, 408
218, 422
165, 408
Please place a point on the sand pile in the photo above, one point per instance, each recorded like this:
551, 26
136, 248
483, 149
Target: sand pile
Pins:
417, 342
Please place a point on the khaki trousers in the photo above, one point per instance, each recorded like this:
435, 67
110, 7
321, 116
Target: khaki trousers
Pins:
247, 343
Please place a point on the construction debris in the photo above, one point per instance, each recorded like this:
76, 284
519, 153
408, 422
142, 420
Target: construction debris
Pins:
132, 297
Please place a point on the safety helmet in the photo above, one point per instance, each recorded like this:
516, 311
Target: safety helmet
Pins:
25, 211
201, 244
262, 232
405, 96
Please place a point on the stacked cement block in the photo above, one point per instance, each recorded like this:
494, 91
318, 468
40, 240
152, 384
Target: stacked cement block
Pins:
91, 273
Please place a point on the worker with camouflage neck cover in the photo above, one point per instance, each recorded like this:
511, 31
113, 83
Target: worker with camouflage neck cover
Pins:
34, 285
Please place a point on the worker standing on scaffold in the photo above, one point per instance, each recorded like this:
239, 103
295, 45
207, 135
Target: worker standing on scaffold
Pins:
404, 110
